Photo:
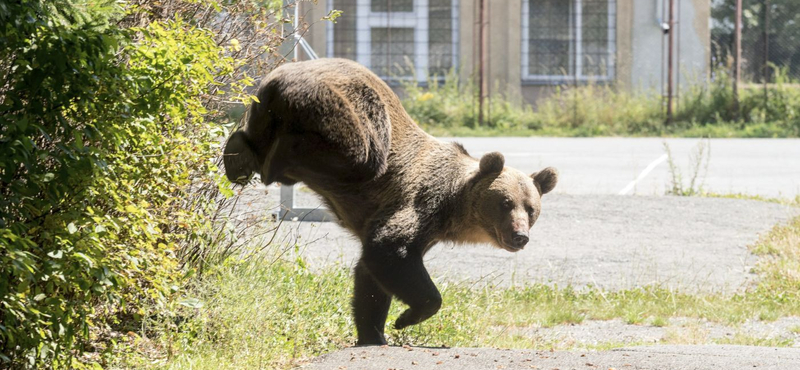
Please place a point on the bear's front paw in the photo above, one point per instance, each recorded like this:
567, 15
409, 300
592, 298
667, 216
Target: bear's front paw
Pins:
404, 320
411, 317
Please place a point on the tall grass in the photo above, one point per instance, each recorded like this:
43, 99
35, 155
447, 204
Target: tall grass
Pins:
448, 106
268, 312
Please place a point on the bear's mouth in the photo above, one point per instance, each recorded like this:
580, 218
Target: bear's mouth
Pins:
502, 243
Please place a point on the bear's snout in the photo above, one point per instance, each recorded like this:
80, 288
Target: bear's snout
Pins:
520, 239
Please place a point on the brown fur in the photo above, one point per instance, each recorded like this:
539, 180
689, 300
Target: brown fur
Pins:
337, 127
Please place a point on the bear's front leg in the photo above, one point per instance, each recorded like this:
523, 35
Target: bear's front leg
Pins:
404, 276
370, 307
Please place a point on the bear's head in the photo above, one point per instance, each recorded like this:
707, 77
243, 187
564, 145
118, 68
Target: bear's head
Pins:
507, 202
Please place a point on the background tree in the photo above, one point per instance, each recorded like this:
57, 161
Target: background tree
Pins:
782, 26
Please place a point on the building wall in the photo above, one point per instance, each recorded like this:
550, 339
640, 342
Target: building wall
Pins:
649, 44
640, 59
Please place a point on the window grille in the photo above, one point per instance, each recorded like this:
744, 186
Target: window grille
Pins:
397, 39
568, 40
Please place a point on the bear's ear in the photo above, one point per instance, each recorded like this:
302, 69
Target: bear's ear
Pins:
492, 163
545, 179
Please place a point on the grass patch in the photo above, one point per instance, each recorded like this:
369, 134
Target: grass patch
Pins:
659, 322
690, 334
749, 340
276, 314
449, 108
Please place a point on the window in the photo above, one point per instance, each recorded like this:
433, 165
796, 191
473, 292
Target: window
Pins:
568, 40
396, 39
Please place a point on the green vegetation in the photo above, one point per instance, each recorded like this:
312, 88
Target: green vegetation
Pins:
110, 256
450, 108
107, 150
273, 312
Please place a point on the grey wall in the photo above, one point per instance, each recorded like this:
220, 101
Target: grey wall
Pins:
641, 45
649, 45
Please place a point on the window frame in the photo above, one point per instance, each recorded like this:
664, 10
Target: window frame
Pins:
417, 19
576, 38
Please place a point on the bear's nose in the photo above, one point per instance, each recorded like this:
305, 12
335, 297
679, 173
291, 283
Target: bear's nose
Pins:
520, 239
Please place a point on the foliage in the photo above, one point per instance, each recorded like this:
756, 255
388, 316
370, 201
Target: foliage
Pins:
452, 103
105, 140
449, 107
273, 312
698, 160
782, 28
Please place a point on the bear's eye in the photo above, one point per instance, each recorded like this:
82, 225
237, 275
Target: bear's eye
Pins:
530, 210
508, 204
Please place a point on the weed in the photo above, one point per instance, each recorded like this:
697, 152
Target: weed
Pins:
690, 334
749, 340
699, 160
268, 312
659, 322
448, 107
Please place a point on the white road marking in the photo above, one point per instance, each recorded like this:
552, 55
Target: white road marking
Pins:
517, 154
644, 173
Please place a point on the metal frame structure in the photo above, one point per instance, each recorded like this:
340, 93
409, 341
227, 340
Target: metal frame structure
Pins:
417, 19
576, 54
287, 210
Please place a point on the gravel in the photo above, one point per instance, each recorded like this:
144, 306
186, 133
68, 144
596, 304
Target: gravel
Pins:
608, 241
634, 358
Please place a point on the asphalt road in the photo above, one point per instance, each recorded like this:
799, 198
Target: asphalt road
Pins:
610, 241
589, 234
607, 224
767, 167
634, 358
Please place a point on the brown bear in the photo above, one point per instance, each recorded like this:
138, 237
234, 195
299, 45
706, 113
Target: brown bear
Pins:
337, 127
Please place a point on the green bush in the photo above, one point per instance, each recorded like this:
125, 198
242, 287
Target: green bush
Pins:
103, 135
450, 107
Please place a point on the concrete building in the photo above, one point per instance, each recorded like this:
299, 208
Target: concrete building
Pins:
531, 45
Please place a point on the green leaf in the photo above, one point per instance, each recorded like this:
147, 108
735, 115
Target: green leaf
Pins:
191, 303
71, 228
84, 257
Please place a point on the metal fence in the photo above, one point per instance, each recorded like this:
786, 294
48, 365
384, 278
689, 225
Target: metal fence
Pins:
397, 39
770, 39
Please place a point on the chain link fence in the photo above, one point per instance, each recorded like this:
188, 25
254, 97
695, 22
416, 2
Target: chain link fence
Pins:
770, 39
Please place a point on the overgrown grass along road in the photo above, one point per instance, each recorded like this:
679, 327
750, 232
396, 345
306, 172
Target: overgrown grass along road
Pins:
270, 312
449, 108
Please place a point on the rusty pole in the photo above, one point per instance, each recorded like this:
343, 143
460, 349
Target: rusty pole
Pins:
481, 57
766, 52
737, 56
670, 59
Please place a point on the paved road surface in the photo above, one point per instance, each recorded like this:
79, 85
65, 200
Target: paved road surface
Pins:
768, 167
610, 241
586, 235
590, 234
634, 358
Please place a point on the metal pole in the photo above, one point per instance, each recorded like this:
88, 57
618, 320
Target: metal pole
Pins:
295, 26
481, 56
678, 56
737, 56
670, 66
766, 51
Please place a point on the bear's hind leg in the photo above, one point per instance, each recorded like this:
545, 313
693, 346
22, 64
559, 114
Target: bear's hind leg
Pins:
406, 278
370, 308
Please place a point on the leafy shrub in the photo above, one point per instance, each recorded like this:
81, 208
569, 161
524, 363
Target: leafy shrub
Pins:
450, 106
103, 136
